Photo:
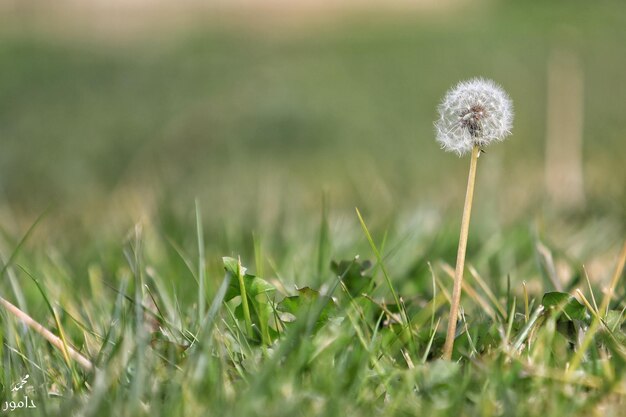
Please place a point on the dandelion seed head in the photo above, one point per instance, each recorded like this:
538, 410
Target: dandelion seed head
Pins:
474, 112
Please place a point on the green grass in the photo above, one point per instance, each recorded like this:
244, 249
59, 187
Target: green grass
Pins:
270, 295
341, 347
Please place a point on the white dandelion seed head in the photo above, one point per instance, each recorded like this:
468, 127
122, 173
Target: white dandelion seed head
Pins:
474, 112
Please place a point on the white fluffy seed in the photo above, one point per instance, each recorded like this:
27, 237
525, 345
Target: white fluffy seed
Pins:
474, 112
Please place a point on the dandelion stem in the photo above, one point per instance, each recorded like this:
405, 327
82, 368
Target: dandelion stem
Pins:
460, 258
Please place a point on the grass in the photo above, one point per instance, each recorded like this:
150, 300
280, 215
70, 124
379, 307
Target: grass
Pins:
270, 295
343, 347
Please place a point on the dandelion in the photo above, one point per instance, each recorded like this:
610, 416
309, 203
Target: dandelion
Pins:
472, 115
475, 112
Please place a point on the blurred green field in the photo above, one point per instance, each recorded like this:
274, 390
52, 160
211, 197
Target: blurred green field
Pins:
258, 122
344, 105
278, 132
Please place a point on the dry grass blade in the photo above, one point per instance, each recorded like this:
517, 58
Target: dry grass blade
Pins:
597, 319
550, 268
487, 291
471, 292
48, 335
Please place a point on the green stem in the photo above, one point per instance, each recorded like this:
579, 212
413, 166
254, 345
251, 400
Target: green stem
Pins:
244, 300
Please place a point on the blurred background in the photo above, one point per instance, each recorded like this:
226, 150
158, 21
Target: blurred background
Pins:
265, 111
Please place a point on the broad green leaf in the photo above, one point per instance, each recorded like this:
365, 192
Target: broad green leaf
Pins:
563, 302
303, 303
257, 288
257, 307
614, 319
230, 265
354, 275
